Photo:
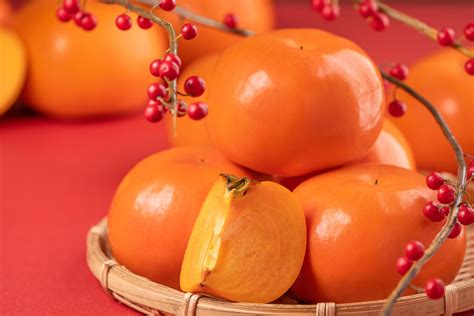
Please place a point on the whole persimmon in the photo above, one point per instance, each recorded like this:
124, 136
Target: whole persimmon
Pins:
294, 101
190, 132
359, 219
441, 79
255, 15
248, 242
74, 73
154, 209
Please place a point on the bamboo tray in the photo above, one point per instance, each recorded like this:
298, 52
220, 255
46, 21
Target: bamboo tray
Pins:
151, 298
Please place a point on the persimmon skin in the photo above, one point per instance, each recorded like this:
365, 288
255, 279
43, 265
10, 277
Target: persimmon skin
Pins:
155, 206
247, 245
5, 12
295, 101
78, 74
359, 219
256, 15
442, 80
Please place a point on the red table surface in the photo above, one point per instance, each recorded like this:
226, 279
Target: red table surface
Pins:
57, 178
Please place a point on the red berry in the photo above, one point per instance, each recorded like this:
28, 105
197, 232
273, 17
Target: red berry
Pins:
469, 31
469, 66
168, 5
466, 215
197, 111
172, 58
456, 231
63, 15
368, 8
88, 22
403, 265
330, 12
231, 20
71, 6
446, 194
78, 17
445, 210
123, 22
155, 67
399, 71
318, 5
194, 86
169, 70
446, 36
379, 21
189, 31
414, 250
156, 90
397, 108
432, 212
144, 23
181, 105
434, 288
154, 111
470, 169
434, 180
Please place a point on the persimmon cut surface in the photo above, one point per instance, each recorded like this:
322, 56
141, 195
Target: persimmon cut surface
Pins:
247, 244
155, 206
12, 68
73, 73
359, 220
442, 80
190, 132
294, 101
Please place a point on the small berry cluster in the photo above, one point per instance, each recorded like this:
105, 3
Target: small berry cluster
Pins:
447, 37
397, 108
328, 10
369, 10
436, 212
71, 9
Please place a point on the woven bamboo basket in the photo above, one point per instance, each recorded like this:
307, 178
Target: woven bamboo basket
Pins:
151, 298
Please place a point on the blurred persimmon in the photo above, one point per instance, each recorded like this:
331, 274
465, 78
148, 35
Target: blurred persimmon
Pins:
442, 80
13, 68
154, 209
190, 132
359, 219
255, 15
294, 101
5, 12
74, 73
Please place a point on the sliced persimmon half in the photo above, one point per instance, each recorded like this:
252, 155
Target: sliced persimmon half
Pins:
247, 244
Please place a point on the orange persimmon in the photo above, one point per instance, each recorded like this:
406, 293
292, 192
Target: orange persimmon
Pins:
189, 132
155, 206
5, 12
74, 73
12, 67
442, 80
294, 101
255, 15
247, 244
359, 219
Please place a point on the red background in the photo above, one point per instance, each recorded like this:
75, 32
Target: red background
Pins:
57, 178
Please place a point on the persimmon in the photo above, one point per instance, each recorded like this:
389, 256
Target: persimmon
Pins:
294, 101
248, 242
359, 219
154, 209
74, 73
13, 68
191, 132
256, 15
5, 12
442, 80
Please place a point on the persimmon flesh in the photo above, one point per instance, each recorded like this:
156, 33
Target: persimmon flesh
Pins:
247, 244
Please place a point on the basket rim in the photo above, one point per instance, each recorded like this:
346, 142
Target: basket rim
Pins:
152, 298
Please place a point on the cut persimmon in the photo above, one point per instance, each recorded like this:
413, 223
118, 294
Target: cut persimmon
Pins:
247, 244
12, 68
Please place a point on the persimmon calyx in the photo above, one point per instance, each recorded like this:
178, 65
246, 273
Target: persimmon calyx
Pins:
236, 187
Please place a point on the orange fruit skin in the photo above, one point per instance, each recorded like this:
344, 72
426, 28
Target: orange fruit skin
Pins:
5, 12
441, 79
155, 206
190, 132
255, 15
294, 101
358, 229
74, 74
